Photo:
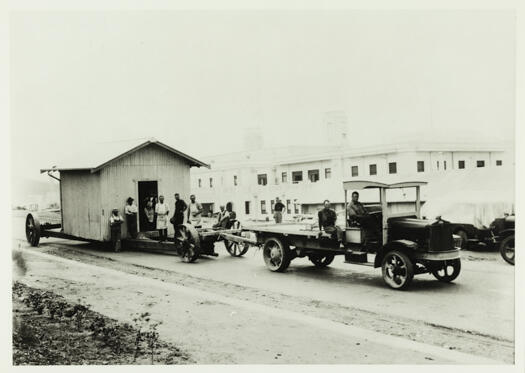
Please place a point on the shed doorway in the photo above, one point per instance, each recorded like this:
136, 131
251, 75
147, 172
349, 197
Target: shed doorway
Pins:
147, 189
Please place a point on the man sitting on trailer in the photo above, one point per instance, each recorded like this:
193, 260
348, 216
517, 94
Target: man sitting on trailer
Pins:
327, 218
222, 218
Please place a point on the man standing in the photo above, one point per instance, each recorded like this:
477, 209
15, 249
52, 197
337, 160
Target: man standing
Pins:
194, 211
278, 211
327, 218
178, 215
131, 217
162, 210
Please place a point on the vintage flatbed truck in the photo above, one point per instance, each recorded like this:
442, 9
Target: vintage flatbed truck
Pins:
406, 246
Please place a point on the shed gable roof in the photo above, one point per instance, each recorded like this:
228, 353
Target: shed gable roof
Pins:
96, 158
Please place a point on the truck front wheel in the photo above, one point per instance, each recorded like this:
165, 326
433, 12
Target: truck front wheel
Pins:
397, 269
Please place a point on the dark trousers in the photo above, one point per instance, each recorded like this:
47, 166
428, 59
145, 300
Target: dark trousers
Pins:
163, 234
334, 231
131, 222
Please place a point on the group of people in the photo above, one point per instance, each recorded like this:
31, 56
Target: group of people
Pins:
357, 214
156, 216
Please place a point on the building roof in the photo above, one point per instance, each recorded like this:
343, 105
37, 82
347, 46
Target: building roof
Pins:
97, 156
273, 156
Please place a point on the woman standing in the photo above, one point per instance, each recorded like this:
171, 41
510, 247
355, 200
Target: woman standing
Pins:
162, 211
149, 213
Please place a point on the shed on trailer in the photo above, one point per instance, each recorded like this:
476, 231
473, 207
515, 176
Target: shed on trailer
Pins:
106, 175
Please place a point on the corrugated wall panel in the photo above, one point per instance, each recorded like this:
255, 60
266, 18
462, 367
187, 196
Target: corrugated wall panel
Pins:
81, 204
120, 180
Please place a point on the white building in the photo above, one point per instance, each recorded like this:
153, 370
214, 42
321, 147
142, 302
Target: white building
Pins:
302, 177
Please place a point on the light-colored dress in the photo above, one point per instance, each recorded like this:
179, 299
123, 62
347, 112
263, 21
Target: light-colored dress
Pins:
194, 216
162, 211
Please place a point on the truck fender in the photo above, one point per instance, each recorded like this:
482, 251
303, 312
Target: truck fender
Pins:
406, 246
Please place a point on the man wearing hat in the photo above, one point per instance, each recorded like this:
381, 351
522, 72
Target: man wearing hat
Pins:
131, 217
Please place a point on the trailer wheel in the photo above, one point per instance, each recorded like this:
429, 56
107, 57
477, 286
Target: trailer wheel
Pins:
235, 248
276, 254
506, 249
32, 230
447, 270
321, 260
397, 269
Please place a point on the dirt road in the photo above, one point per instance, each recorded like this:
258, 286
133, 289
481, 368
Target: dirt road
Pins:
226, 310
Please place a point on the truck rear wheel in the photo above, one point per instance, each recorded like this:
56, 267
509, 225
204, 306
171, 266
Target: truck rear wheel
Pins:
276, 254
447, 270
321, 260
397, 269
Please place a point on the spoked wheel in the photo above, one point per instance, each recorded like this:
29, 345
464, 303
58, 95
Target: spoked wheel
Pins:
506, 249
320, 260
397, 269
447, 270
32, 230
235, 248
276, 255
189, 243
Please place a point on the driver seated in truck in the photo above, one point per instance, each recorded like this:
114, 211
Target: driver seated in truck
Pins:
358, 215
327, 218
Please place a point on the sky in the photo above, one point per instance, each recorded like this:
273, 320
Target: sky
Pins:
197, 79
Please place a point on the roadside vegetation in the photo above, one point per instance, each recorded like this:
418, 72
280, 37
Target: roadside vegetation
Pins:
48, 330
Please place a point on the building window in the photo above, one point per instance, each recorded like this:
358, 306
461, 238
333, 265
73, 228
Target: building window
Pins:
284, 177
296, 208
272, 204
235, 180
444, 165
247, 207
313, 175
372, 169
461, 164
263, 207
211, 182
392, 168
499, 162
297, 176
480, 163
355, 171
200, 183
437, 165
327, 173
288, 206
420, 166
262, 179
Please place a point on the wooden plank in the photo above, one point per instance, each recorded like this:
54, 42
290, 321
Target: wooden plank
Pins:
138, 244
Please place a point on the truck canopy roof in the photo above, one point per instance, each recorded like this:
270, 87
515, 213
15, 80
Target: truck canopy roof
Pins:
365, 184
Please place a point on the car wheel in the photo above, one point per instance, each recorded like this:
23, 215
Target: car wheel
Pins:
506, 249
276, 254
320, 260
397, 269
32, 230
447, 270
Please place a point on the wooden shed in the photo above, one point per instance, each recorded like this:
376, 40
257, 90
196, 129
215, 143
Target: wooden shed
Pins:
93, 184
